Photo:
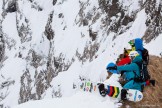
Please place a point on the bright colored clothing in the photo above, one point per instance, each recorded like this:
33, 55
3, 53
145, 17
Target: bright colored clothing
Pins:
133, 48
131, 71
124, 61
139, 45
133, 85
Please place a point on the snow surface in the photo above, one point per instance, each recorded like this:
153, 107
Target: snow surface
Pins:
155, 46
79, 100
67, 41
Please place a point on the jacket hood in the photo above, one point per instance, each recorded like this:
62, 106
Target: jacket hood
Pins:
138, 44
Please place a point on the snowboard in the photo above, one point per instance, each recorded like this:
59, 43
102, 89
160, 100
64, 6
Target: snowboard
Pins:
88, 86
111, 91
115, 92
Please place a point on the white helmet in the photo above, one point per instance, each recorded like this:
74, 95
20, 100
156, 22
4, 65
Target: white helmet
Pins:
133, 54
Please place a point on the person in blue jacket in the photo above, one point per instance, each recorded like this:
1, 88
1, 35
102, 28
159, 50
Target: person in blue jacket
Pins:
138, 44
131, 72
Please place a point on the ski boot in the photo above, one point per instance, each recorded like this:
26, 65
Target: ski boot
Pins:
123, 94
102, 90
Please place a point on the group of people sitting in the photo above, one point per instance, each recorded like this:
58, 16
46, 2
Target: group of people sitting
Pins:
132, 65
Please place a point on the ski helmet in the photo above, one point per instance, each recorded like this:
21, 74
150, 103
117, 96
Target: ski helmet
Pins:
131, 42
111, 64
133, 54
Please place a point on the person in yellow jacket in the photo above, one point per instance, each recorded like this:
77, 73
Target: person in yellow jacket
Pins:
132, 44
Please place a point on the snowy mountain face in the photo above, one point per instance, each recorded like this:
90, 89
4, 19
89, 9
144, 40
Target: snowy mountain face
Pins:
46, 45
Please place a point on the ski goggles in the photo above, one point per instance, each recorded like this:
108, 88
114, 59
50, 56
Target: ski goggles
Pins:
112, 71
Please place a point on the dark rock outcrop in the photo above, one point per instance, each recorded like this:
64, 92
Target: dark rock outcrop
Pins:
12, 7
154, 20
49, 33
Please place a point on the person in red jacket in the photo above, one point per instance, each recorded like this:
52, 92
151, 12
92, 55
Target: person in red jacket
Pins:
125, 60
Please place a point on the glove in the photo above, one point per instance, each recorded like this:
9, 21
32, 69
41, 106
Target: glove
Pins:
112, 68
122, 72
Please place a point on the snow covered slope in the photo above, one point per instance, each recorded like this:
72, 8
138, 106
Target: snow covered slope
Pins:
79, 100
46, 45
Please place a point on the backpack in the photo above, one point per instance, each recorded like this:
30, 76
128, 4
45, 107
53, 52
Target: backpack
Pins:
145, 55
144, 74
